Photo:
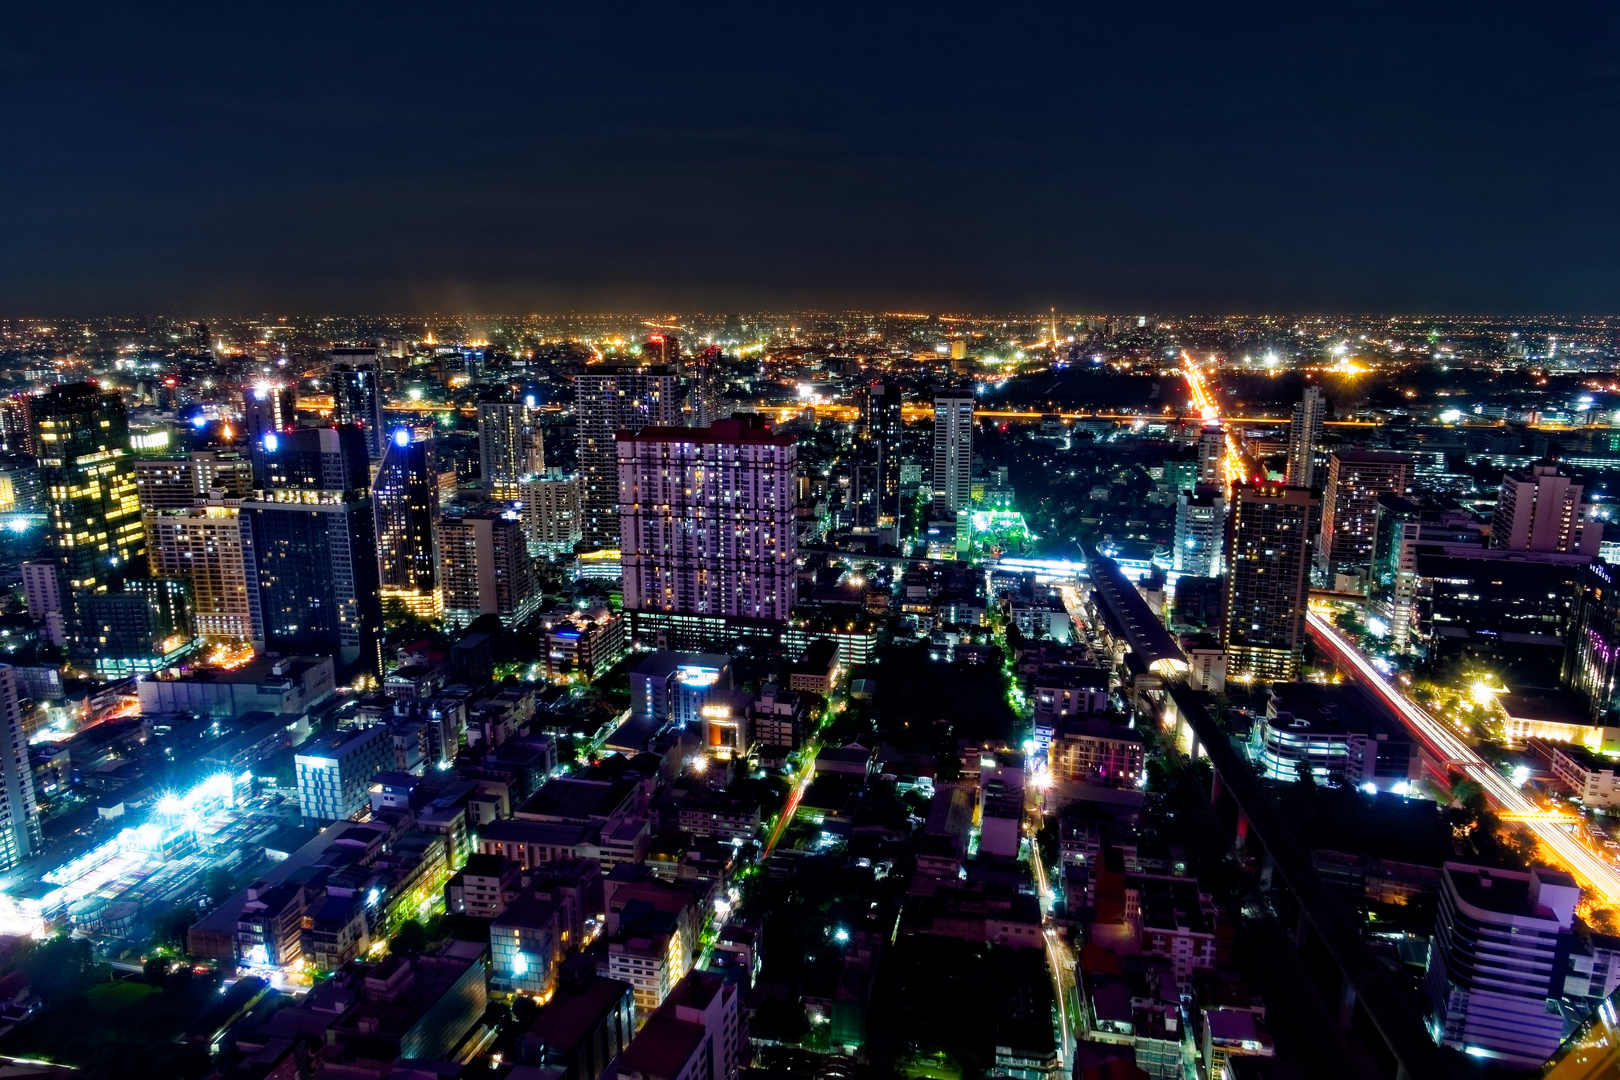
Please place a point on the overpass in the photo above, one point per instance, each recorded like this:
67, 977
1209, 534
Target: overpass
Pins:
1365, 985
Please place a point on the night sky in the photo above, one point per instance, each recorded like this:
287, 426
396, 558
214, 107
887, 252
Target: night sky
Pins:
281, 157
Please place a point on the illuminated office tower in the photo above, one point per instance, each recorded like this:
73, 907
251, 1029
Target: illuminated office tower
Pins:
510, 445
1200, 531
202, 545
96, 537
405, 496
549, 506
707, 520
1304, 436
1542, 511
1355, 479
267, 407
19, 812
953, 451
357, 395
485, 569
310, 548
881, 426
609, 398
1269, 534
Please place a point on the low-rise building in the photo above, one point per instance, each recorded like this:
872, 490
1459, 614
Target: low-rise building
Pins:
1097, 752
483, 888
1587, 776
698, 1033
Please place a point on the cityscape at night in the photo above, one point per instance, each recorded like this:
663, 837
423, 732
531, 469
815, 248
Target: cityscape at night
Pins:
811, 694
788, 542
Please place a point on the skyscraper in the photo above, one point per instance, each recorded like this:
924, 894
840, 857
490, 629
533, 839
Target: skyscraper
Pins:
609, 398
1269, 538
707, 520
1540, 510
486, 569
1498, 960
266, 407
881, 426
1355, 479
510, 445
1304, 436
1212, 456
405, 498
310, 548
19, 812
357, 395
953, 451
96, 536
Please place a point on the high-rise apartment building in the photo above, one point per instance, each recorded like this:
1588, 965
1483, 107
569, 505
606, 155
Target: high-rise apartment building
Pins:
510, 445
1498, 961
20, 835
310, 547
357, 395
96, 537
485, 568
953, 451
405, 501
609, 398
202, 545
17, 424
178, 484
1541, 510
707, 520
1200, 531
881, 426
1355, 480
1269, 542
1304, 436
550, 509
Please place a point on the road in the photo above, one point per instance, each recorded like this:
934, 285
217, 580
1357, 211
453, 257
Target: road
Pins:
789, 810
1441, 741
1058, 956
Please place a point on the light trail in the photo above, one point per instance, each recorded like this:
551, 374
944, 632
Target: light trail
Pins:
1597, 873
1057, 956
789, 810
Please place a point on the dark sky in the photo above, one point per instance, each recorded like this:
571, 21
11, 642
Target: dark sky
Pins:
342, 156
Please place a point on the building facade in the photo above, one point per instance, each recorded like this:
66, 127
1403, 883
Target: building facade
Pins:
335, 772
553, 521
953, 452
1304, 436
203, 546
510, 445
1355, 480
707, 520
1540, 510
486, 569
357, 395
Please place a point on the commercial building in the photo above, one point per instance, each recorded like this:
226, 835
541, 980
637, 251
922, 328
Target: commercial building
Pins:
585, 644
202, 545
1592, 650
1200, 531
1401, 528
675, 687
1338, 732
587, 1024
1588, 776
1541, 510
609, 398
335, 772
953, 452
357, 395
1498, 962
552, 517
1096, 752
267, 408
525, 944
486, 568
707, 520
1304, 436
1355, 480
405, 501
309, 544
284, 685
1268, 559
510, 445
1508, 610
